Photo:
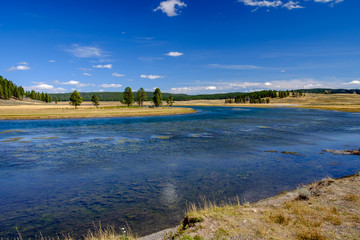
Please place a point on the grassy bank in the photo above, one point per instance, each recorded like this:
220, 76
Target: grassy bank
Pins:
327, 209
338, 102
63, 110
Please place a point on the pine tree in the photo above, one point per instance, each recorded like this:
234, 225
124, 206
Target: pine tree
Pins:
141, 96
75, 99
1, 92
157, 99
170, 100
95, 100
128, 97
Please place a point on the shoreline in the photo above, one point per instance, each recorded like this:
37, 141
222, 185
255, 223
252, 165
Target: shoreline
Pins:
211, 221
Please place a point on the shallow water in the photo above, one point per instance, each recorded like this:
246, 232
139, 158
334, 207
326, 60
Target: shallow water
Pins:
60, 176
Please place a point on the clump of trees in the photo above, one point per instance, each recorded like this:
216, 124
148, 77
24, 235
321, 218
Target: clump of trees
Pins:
75, 99
10, 90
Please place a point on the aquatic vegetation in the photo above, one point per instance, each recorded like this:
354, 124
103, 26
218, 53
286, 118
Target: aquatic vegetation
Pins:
44, 138
13, 131
13, 139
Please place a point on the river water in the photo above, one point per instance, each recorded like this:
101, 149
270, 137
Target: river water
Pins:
62, 176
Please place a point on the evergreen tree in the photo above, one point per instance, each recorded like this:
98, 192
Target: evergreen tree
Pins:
75, 99
170, 100
128, 97
33, 95
95, 100
141, 96
56, 100
157, 99
1, 92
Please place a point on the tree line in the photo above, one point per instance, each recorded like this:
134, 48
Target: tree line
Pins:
10, 90
128, 98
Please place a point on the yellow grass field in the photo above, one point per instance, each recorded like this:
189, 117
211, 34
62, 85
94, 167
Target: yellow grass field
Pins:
339, 102
26, 110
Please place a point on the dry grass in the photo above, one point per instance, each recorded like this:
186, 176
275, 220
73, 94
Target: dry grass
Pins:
331, 211
98, 233
86, 110
339, 102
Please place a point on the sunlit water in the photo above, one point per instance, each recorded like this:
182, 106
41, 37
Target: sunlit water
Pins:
60, 176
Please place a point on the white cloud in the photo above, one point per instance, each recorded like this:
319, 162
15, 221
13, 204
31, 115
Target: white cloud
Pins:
170, 7
109, 66
23, 63
268, 84
151, 76
118, 75
292, 5
75, 83
353, 82
174, 54
52, 61
234, 67
43, 87
85, 51
112, 85
101, 90
19, 68
87, 74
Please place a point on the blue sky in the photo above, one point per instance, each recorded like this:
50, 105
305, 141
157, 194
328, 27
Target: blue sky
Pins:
180, 46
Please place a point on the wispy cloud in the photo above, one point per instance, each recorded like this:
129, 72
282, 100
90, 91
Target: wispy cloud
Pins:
109, 66
150, 59
52, 61
151, 76
118, 75
112, 85
19, 68
262, 3
231, 66
87, 74
280, 3
84, 69
85, 51
292, 5
170, 7
23, 63
174, 54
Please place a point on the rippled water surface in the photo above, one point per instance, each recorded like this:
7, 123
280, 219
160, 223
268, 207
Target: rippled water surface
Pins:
60, 176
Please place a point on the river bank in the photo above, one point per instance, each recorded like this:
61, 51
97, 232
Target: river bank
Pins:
326, 209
